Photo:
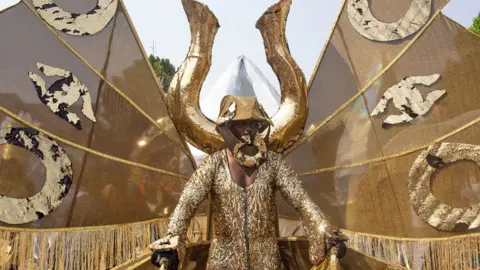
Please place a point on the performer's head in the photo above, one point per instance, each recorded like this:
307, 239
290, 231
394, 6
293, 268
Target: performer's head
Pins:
243, 124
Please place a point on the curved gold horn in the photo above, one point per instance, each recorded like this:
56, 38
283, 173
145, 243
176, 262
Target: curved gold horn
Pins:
289, 121
184, 92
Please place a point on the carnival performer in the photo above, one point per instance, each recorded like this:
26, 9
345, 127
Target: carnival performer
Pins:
243, 180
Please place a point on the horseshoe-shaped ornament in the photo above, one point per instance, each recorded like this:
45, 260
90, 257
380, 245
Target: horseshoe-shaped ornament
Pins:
76, 24
59, 177
426, 205
367, 25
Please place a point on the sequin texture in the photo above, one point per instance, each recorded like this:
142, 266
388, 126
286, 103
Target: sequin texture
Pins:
232, 213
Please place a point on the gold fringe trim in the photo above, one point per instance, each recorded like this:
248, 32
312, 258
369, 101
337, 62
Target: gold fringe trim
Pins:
125, 246
99, 74
101, 247
77, 249
447, 253
89, 150
400, 154
122, 246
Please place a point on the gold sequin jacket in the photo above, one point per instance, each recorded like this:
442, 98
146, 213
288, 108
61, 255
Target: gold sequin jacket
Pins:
244, 234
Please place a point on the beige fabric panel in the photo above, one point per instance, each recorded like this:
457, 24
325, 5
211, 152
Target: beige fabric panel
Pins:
20, 50
119, 126
351, 137
115, 193
450, 50
125, 55
123, 132
360, 199
348, 138
103, 191
334, 83
128, 71
366, 55
351, 61
374, 198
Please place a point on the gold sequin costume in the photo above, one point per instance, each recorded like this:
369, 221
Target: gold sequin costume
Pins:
244, 218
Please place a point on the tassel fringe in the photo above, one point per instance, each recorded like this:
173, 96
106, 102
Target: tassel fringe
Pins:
105, 247
102, 247
449, 253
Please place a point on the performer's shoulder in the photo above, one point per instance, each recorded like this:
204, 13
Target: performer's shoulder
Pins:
215, 157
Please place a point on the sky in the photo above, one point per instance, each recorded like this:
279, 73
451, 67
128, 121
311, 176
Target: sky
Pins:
164, 22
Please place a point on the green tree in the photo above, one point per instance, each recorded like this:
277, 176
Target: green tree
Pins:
163, 69
476, 25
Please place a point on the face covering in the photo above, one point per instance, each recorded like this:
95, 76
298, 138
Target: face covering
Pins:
250, 150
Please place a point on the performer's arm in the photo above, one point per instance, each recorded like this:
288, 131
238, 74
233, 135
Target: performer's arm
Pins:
292, 190
194, 192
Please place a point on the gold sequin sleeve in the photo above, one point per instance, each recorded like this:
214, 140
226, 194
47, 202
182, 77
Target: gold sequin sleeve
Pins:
194, 192
292, 190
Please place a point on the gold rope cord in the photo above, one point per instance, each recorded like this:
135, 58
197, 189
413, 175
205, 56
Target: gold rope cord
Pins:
403, 153
65, 43
86, 149
198, 220
367, 86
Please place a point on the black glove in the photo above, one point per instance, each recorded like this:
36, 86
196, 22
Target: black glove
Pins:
335, 238
340, 246
171, 256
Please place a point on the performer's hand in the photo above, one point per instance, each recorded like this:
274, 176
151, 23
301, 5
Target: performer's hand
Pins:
335, 239
163, 251
333, 233
166, 243
165, 260
163, 264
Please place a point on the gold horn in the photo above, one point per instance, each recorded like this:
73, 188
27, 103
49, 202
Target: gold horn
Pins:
289, 121
184, 92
